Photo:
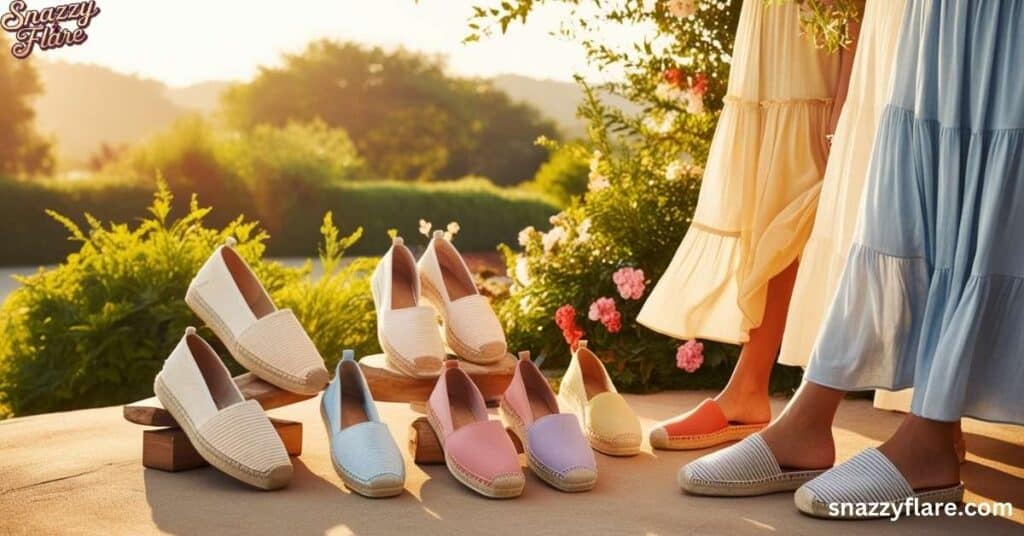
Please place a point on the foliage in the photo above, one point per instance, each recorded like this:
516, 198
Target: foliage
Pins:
828, 22
564, 175
23, 152
95, 329
490, 215
643, 186
276, 168
409, 120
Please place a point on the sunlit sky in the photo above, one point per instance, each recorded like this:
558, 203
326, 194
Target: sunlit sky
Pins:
188, 41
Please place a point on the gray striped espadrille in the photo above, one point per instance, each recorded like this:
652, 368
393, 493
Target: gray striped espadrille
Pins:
851, 489
744, 469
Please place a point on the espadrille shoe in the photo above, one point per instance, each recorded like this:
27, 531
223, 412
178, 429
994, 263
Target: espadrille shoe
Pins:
363, 452
471, 328
406, 330
555, 448
268, 341
747, 468
856, 489
609, 423
478, 451
232, 434
704, 426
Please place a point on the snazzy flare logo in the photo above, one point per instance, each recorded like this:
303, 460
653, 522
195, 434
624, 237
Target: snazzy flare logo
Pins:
47, 28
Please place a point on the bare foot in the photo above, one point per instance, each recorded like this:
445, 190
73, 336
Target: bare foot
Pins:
923, 451
745, 406
801, 438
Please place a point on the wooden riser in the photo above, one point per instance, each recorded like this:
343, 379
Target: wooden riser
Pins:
425, 448
389, 385
168, 449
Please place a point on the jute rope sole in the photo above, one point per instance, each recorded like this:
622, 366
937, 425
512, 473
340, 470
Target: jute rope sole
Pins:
725, 435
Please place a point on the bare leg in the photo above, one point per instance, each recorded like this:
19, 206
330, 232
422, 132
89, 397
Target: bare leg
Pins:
801, 438
745, 398
922, 449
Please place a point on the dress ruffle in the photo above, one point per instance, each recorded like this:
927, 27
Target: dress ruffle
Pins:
760, 186
932, 296
824, 255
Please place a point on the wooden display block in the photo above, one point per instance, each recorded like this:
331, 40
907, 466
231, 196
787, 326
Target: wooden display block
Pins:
168, 449
390, 385
425, 448
150, 412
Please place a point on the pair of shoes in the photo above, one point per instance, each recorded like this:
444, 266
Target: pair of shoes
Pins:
845, 491
556, 450
232, 434
408, 331
587, 390
363, 452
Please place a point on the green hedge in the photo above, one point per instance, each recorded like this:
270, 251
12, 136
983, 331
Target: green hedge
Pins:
488, 215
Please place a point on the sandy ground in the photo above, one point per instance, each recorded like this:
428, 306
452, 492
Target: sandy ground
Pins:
80, 472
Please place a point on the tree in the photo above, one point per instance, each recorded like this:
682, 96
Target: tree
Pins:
407, 118
23, 152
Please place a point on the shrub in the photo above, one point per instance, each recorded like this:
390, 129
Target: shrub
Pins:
95, 329
565, 173
489, 214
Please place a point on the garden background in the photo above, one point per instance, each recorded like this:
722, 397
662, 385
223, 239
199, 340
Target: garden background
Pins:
121, 187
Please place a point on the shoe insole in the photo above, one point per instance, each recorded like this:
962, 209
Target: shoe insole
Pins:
255, 297
352, 410
402, 285
353, 405
457, 282
459, 402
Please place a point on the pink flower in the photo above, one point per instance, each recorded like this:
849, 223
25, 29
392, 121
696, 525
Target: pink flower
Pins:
630, 283
690, 356
603, 310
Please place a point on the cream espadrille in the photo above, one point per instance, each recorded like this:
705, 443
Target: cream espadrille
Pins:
269, 341
232, 434
407, 331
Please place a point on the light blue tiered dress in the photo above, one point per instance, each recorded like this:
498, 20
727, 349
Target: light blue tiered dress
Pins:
932, 295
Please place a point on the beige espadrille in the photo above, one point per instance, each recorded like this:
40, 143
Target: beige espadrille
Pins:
232, 434
471, 327
269, 341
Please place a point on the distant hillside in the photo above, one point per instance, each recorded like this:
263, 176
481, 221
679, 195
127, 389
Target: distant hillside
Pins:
84, 106
203, 97
557, 100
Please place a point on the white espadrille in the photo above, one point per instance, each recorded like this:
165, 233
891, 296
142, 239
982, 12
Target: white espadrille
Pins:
747, 468
232, 434
856, 489
269, 341
471, 328
407, 331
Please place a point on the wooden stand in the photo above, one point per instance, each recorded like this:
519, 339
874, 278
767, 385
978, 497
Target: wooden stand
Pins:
425, 448
389, 385
168, 449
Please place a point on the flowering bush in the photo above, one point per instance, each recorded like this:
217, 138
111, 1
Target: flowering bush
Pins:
588, 274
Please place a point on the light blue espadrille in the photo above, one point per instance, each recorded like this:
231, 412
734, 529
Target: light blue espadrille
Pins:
363, 452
